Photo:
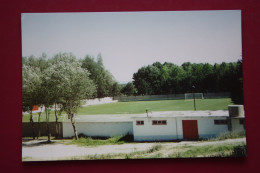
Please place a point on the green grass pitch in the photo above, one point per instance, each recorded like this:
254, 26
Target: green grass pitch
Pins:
141, 106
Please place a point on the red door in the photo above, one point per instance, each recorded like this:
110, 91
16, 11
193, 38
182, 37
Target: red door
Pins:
190, 129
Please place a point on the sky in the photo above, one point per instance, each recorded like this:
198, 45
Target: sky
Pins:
128, 41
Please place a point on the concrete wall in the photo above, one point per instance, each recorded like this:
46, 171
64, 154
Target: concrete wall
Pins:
149, 132
98, 101
236, 126
173, 130
98, 129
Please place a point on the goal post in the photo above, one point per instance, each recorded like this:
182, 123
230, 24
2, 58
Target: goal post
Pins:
189, 96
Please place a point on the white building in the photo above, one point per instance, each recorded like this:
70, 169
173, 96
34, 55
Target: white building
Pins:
161, 126
180, 125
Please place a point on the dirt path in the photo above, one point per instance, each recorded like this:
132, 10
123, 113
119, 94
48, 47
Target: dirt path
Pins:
38, 150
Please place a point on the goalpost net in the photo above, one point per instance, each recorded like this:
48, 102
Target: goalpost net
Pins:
189, 96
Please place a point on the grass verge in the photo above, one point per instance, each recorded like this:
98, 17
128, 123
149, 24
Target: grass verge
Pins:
158, 151
226, 150
90, 141
228, 135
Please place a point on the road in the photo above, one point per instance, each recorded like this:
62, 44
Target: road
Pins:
58, 150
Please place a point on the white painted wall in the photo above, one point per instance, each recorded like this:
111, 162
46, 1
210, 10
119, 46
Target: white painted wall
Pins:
236, 126
206, 126
100, 129
149, 132
173, 130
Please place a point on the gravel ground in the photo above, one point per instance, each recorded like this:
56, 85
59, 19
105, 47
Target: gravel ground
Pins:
39, 150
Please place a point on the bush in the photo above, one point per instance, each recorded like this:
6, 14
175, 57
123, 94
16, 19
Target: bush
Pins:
239, 151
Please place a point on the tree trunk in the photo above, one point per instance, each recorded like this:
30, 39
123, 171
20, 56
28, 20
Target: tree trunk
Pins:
39, 125
56, 124
48, 125
74, 128
31, 121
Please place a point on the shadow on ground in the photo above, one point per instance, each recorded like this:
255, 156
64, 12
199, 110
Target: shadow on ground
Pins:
32, 143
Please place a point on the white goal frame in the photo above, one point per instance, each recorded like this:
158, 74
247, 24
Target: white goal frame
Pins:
189, 96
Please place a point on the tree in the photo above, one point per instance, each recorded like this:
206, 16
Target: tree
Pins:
236, 89
116, 89
74, 83
169, 78
37, 66
31, 90
129, 89
102, 78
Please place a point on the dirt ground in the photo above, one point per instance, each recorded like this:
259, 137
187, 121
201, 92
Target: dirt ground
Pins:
34, 150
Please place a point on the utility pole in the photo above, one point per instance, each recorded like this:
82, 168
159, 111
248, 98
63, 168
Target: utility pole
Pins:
194, 99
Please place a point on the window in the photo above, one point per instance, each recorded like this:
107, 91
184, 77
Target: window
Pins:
139, 122
159, 122
241, 121
220, 122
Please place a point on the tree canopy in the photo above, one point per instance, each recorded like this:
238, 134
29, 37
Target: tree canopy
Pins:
64, 81
102, 78
169, 78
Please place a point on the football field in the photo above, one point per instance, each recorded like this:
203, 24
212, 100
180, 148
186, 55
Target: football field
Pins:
153, 106
139, 107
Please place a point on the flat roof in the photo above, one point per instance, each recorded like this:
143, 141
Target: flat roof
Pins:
164, 114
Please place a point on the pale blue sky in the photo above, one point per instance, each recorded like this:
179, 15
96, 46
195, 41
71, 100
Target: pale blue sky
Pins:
130, 40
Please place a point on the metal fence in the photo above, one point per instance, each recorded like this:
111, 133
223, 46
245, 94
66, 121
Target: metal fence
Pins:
168, 97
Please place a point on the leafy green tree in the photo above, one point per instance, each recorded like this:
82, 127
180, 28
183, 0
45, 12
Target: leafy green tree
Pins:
102, 78
169, 78
116, 89
74, 84
31, 90
129, 89
236, 90
38, 65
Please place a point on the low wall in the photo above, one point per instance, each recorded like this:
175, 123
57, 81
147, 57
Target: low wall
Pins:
97, 101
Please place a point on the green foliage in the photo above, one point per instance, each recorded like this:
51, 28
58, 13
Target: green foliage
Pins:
90, 141
169, 78
225, 150
103, 79
31, 87
231, 135
227, 135
239, 151
129, 89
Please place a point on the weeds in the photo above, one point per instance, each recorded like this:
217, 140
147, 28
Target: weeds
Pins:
154, 148
228, 135
90, 141
239, 151
211, 151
